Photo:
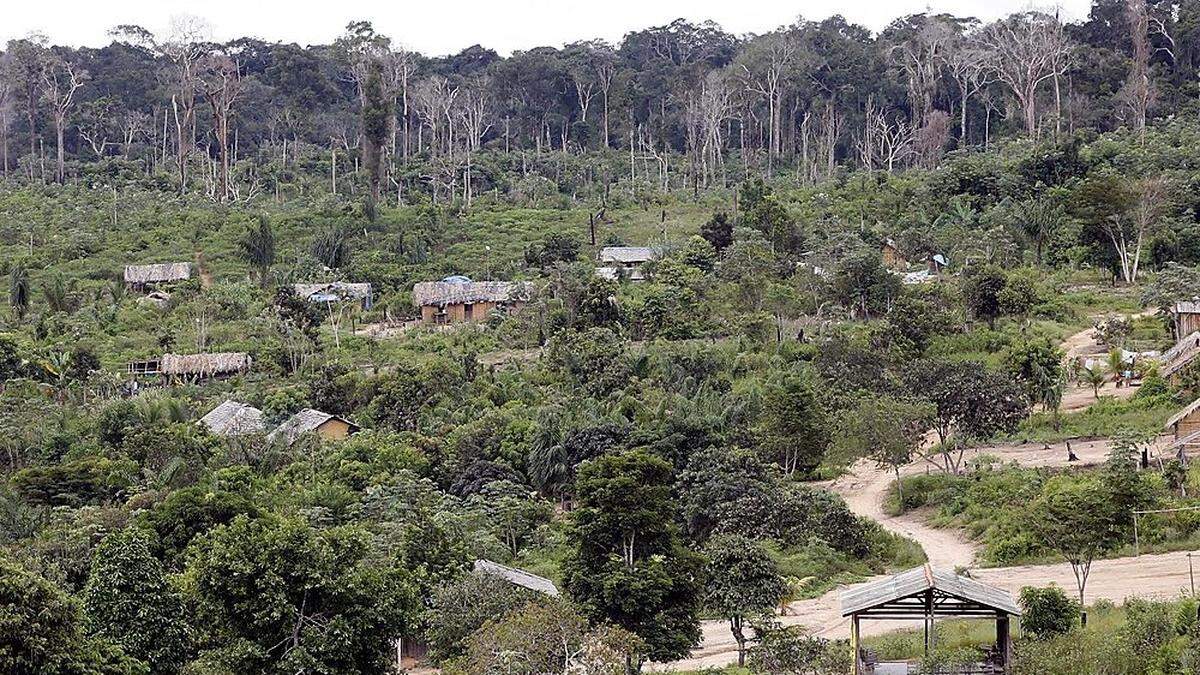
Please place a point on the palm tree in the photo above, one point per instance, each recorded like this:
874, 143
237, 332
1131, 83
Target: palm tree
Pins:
1116, 365
258, 249
1093, 376
18, 291
57, 295
332, 248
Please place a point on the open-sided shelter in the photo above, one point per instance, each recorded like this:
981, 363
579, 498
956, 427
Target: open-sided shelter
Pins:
926, 594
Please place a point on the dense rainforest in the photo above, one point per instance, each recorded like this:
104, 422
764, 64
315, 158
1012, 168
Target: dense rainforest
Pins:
866, 257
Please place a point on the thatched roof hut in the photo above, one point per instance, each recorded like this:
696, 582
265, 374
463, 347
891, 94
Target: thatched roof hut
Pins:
204, 365
140, 275
232, 418
441, 293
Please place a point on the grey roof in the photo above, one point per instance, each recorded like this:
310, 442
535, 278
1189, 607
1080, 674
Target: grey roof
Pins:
204, 364
1186, 307
628, 254
304, 422
234, 419
615, 273
333, 290
921, 579
144, 274
447, 293
517, 577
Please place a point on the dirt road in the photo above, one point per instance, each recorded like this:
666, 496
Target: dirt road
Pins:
865, 486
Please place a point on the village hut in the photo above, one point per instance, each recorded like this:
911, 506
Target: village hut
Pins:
1185, 424
308, 421
142, 277
232, 418
517, 577
937, 264
893, 259
446, 301
1179, 357
1185, 316
193, 367
625, 261
336, 291
926, 594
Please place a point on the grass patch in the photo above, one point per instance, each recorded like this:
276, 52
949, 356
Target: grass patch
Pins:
1104, 418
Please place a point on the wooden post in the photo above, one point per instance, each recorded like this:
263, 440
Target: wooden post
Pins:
1004, 644
854, 669
929, 636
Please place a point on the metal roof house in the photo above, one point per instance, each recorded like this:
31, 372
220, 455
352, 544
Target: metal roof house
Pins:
926, 594
336, 291
625, 261
232, 418
517, 577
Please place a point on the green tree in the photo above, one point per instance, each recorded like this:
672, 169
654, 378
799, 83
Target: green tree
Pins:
276, 596
19, 291
982, 290
718, 231
793, 429
129, 601
1074, 518
862, 284
459, 608
626, 565
743, 584
258, 249
1047, 612
886, 430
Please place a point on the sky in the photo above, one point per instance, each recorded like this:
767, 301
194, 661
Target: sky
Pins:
435, 27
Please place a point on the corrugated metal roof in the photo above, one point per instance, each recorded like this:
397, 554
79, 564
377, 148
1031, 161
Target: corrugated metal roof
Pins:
323, 292
628, 254
1186, 307
921, 579
517, 577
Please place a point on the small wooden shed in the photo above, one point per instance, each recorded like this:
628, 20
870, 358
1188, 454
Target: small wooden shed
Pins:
1176, 359
445, 301
1186, 422
893, 259
1185, 315
926, 594
193, 367
309, 421
618, 262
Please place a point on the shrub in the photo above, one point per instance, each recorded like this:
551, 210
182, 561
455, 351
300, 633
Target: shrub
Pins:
1047, 611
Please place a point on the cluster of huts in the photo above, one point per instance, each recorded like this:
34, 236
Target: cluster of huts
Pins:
232, 419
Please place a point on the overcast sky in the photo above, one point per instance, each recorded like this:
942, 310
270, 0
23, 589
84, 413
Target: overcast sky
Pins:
436, 27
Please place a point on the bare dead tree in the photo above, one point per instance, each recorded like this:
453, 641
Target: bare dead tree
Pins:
474, 114
884, 141
1138, 93
220, 77
6, 102
185, 46
970, 69
922, 58
1024, 51
606, 72
707, 110
767, 60
61, 80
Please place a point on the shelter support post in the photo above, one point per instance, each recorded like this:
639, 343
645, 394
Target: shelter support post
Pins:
1004, 644
856, 669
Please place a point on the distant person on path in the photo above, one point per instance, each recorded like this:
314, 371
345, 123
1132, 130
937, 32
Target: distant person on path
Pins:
1071, 453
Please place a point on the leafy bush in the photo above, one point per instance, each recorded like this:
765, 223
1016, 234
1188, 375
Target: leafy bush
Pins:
1047, 612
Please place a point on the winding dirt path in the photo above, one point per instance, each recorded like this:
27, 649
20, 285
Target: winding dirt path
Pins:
864, 488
